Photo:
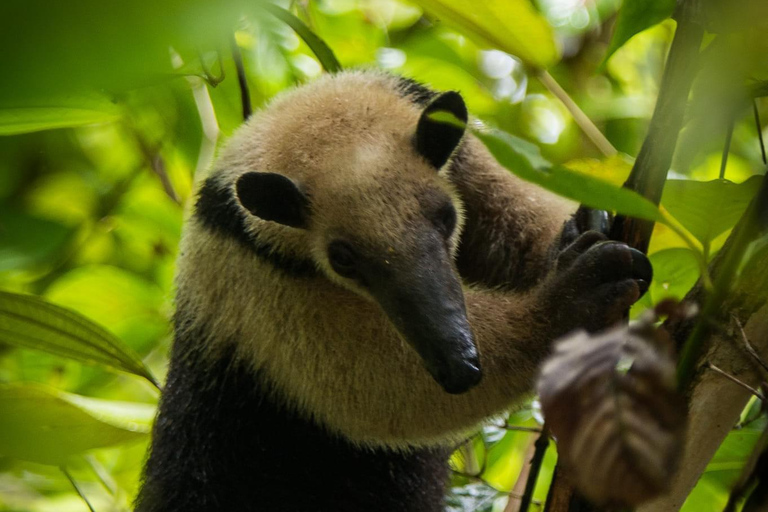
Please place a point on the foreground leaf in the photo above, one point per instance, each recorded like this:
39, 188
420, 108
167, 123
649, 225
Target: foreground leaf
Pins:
708, 208
513, 26
578, 186
636, 16
610, 401
16, 120
46, 426
30, 322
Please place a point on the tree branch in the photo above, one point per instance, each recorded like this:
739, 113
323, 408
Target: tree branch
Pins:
649, 172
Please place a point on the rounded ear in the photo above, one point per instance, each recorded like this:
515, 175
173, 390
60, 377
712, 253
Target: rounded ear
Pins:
274, 197
440, 128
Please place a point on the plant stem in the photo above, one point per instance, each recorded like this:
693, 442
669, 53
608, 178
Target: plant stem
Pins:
77, 489
245, 95
541, 445
581, 119
649, 172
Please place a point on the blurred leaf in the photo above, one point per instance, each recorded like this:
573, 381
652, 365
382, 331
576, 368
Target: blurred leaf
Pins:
636, 16
28, 240
92, 45
46, 426
707, 209
610, 401
129, 305
25, 119
675, 271
30, 322
513, 26
588, 190
321, 50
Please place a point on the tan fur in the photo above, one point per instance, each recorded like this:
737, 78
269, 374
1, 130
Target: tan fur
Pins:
329, 349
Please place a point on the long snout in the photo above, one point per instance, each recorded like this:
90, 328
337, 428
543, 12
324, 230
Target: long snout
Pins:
425, 302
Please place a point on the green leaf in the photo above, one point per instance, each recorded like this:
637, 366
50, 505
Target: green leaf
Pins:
513, 26
16, 120
321, 50
30, 322
636, 16
47, 426
580, 187
675, 271
708, 208
28, 240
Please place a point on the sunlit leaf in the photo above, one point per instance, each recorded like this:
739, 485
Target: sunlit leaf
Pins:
580, 187
46, 426
707, 209
321, 50
614, 169
28, 240
513, 26
30, 322
636, 16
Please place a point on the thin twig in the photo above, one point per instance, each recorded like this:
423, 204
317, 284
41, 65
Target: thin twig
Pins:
157, 164
245, 95
726, 148
581, 119
77, 489
759, 126
749, 346
733, 379
541, 444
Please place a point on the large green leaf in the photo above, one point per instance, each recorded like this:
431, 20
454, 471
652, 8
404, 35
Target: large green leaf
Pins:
580, 187
708, 208
28, 240
513, 26
636, 16
675, 271
46, 426
30, 322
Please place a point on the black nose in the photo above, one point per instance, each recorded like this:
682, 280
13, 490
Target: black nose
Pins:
459, 377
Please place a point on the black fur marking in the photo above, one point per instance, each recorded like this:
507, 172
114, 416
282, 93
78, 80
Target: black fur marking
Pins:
274, 197
436, 140
217, 209
415, 91
223, 442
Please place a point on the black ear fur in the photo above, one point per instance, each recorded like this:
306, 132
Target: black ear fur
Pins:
274, 197
436, 139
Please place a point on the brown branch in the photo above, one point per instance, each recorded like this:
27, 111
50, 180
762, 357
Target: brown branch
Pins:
541, 445
649, 172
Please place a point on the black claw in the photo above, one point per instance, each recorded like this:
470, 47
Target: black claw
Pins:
641, 267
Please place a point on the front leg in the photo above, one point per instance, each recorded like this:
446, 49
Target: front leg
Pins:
511, 226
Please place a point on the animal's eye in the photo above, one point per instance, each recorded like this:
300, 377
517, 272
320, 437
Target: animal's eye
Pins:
445, 219
343, 258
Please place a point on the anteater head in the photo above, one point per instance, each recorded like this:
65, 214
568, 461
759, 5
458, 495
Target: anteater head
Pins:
366, 184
